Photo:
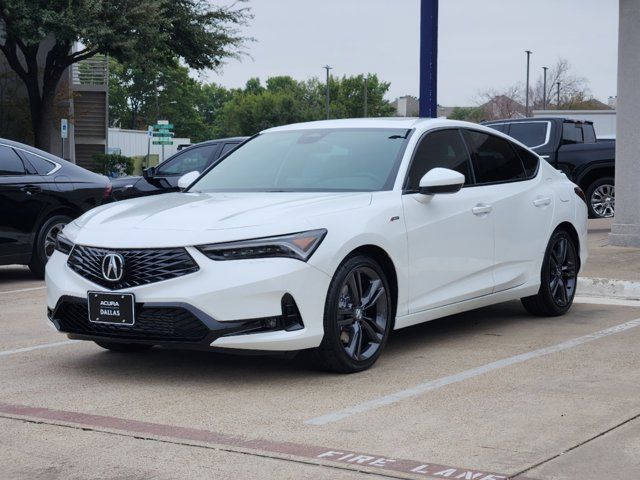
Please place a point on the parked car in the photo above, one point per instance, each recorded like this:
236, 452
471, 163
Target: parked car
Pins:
571, 146
164, 177
325, 236
39, 194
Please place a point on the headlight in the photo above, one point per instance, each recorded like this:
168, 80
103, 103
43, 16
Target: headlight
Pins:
63, 244
296, 245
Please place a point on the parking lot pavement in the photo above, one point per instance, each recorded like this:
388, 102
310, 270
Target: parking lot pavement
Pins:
606, 261
493, 392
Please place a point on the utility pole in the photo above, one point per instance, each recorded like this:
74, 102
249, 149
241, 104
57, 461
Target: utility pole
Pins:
544, 88
526, 108
366, 96
558, 104
327, 68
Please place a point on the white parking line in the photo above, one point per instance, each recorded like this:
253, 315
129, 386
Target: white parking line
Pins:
621, 302
473, 372
38, 347
22, 290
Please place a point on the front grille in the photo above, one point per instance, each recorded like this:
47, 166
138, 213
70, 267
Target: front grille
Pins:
151, 323
141, 266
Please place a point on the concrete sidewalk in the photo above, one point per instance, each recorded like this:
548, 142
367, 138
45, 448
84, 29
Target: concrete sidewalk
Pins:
610, 271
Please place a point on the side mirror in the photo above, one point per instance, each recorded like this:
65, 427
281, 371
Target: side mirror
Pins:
149, 173
441, 180
187, 179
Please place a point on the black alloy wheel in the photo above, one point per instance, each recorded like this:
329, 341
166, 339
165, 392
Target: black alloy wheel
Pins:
358, 317
363, 311
562, 271
559, 277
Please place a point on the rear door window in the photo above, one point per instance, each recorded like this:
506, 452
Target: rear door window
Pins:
42, 166
529, 160
570, 133
588, 133
494, 158
532, 134
10, 162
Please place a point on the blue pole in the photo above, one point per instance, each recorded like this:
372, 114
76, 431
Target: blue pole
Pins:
429, 58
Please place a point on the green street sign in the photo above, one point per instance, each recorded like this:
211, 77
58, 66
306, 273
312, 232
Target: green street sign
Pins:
163, 134
162, 142
168, 126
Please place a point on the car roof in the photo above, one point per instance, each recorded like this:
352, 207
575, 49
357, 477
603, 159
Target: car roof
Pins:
536, 119
217, 140
382, 122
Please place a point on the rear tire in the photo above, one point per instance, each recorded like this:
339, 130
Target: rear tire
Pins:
45, 243
601, 198
558, 278
124, 347
358, 316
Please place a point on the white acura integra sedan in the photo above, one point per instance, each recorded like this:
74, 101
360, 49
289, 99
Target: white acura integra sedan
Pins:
325, 236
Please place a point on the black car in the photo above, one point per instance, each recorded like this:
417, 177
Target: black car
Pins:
39, 194
164, 178
572, 147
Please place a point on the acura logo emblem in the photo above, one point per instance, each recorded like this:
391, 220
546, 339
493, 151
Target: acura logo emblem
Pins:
113, 267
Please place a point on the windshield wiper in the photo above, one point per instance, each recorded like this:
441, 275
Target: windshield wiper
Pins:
395, 137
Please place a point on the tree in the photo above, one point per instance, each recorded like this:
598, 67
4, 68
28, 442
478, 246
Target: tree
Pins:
131, 88
469, 114
496, 104
510, 102
158, 30
574, 89
350, 97
285, 100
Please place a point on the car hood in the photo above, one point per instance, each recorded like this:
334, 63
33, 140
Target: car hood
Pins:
196, 218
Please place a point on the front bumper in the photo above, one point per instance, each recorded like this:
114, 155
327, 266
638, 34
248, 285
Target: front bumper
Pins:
225, 304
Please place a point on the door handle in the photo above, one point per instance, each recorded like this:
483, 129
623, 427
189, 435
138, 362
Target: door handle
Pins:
542, 201
481, 209
31, 189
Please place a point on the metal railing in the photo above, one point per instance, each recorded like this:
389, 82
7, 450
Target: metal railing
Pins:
92, 71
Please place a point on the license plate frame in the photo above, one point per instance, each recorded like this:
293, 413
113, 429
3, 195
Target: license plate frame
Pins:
111, 308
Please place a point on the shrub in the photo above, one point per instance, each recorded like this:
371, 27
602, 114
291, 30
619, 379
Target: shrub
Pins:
113, 165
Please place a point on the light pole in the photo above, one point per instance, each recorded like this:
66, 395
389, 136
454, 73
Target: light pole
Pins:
526, 108
327, 68
366, 96
558, 93
544, 88
429, 58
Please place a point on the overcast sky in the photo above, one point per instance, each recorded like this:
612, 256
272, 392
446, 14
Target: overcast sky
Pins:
482, 42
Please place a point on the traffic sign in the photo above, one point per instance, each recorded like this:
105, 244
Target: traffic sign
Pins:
162, 133
64, 128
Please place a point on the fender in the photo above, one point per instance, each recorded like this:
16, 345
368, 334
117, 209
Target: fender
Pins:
594, 166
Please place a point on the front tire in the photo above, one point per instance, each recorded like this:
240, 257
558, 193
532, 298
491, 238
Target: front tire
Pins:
358, 316
124, 347
559, 277
46, 242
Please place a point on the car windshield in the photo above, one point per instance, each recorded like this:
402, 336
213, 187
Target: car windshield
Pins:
310, 160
